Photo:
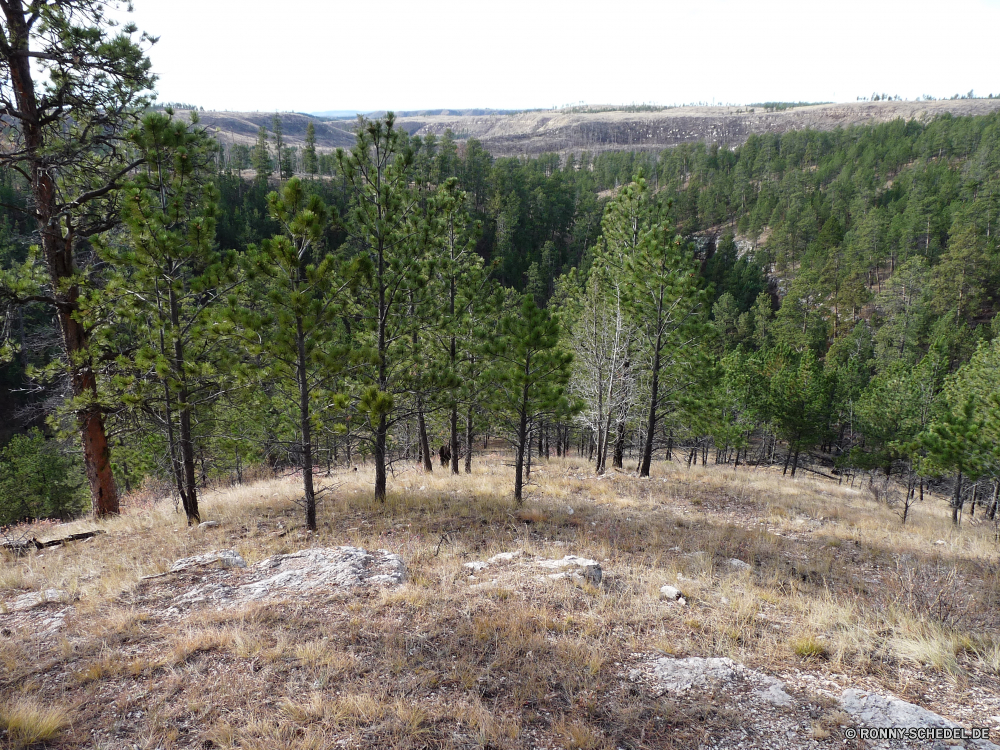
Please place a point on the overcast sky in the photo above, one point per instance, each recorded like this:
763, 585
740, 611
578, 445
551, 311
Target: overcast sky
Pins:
315, 55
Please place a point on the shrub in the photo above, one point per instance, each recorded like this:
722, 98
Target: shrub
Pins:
38, 480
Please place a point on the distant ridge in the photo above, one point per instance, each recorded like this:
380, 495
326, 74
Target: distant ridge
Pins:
523, 133
337, 114
341, 114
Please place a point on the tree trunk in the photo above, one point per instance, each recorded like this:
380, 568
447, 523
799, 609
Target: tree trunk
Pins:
306, 428
522, 441
795, 462
956, 500
618, 460
527, 462
647, 449
454, 439
468, 441
380, 435
57, 249
189, 495
425, 449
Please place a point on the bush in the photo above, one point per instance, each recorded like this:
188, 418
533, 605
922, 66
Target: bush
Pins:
38, 480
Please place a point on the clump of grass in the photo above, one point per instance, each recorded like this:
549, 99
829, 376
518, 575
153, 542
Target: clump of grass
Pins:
28, 723
579, 736
809, 647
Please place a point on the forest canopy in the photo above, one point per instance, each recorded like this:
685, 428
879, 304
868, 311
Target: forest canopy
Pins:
825, 300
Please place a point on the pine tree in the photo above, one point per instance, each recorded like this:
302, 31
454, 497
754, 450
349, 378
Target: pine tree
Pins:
670, 306
384, 228
261, 157
101, 75
530, 373
296, 332
310, 161
800, 401
169, 279
277, 135
463, 283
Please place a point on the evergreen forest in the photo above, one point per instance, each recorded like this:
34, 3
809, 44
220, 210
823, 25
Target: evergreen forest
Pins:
823, 301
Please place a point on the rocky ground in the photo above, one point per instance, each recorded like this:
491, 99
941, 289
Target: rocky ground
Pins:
698, 609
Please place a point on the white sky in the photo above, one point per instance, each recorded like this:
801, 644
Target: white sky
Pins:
314, 55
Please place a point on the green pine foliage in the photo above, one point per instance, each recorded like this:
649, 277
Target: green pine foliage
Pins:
529, 372
38, 479
825, 301
164, 293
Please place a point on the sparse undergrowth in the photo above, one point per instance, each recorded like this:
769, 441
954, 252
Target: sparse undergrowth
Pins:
836, 585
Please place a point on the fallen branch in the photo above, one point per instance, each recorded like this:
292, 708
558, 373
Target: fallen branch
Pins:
20, 546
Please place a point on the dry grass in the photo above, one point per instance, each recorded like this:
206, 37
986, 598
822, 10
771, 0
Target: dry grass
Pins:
26, 722
836, 583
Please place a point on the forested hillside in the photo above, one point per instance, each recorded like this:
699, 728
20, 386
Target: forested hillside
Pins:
604, 128
818, 299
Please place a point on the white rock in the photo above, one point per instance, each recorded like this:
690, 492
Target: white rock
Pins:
876, 710
282, 576
670, 592
475, 566
227, 558
37, 599
336, 567
206, 525
569, 561
775, 693
679, 675
504, 557
571, 566
738, 564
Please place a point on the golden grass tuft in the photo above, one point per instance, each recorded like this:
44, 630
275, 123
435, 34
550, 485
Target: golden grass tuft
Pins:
27, 722
809, 647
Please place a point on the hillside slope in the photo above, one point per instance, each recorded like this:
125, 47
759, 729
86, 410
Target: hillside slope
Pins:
557, 130
811, 585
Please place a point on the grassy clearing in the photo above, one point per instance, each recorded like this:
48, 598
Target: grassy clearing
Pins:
836, 585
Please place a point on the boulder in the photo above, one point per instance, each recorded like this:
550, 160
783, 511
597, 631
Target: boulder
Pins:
874, 710
671, 593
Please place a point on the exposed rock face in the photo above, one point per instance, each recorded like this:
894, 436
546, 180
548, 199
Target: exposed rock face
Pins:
680, 675
578, 569
226, 558
754, 689
338, 567
37, 599
873, 710
223, 578
599, 129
